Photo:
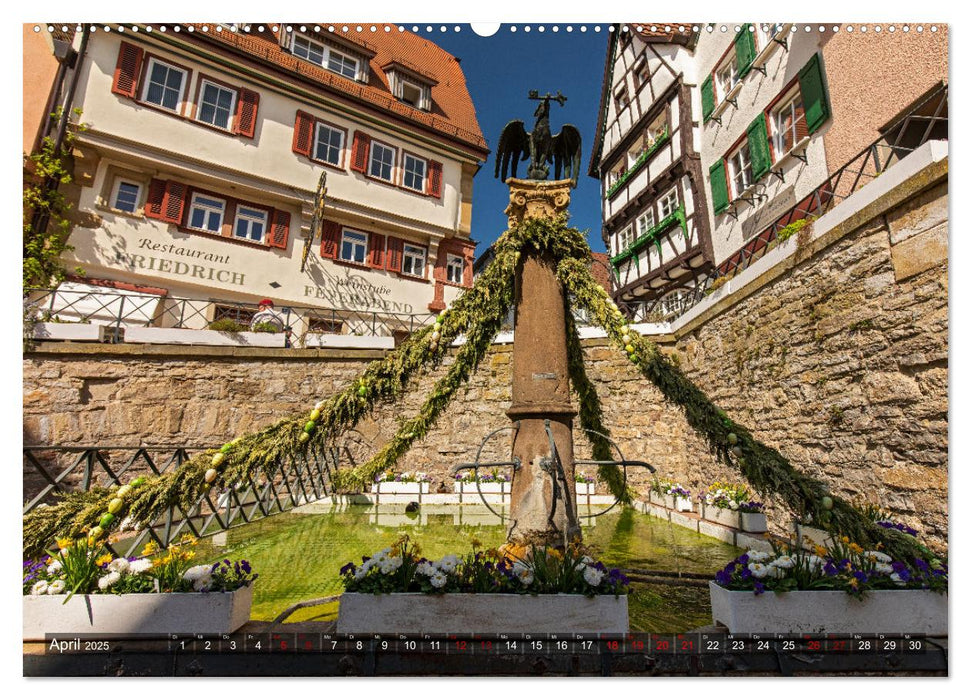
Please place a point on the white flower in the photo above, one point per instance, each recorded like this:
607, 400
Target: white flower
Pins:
593, 576
54, 567
196, 572
815, 563
878, 556
39, 588
120, 565
882, 568
140, 566
56, 587
109, 580
776, 572
895, 577
525, 576
426, 568
448, 563
784, 562
438, 579
360, 572
202, 582
733, 504
759, 570
758, 555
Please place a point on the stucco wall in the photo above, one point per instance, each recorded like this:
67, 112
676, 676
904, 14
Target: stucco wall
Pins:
40, 68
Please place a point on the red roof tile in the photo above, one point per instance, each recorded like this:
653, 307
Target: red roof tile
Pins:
452, 114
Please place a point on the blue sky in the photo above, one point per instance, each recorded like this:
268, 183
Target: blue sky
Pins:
500, 71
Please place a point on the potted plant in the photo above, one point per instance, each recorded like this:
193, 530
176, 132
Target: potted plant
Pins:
224, 331
397, 590
471, 483
732, 505
586, 485
81, 588
838, 590
405, 482
679, 498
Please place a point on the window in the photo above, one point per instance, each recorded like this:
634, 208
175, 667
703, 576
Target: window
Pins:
414, 173
328, 144
216, 105
164, 85
325, 56
642, 74
206, 213
669, 202
764, 34
413, 261
645, 222
625, 239
454, 269
621, 98
740, 170
616, 173
382, 161
788, 125
354, 247
125, 196
250, 224
726, 77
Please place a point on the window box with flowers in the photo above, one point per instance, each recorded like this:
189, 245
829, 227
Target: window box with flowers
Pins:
661, 139
405, 482
80, 588
397, 590
490, 483
585, 485
838, 590
733, 505
671, 495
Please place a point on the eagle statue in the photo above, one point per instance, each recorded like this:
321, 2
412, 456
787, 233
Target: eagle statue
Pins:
540, 146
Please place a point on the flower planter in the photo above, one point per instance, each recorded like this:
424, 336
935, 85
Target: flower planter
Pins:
722, 516
658, 499
192, 336
585, 489
488, 613
44, 330
391, 487
834, 612
137, 613
361, 342
754, 522
486, 487
683, 504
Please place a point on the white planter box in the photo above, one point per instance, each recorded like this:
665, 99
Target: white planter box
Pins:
584, 489
45, 330
754, 522
683, 504
137, 613
392, 487
488, 613
658, 499
482, 487
835, 612
722, 516
191, 336
334, 340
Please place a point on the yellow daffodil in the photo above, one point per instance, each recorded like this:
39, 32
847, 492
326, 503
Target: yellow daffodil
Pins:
855, 548
150, 549
64, 543
103, 559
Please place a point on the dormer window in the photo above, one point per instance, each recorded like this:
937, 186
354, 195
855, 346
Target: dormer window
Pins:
410, 90
334, 60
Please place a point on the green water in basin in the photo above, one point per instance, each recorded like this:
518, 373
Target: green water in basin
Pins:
298, 555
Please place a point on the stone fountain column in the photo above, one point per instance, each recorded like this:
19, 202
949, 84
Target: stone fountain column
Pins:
540, 383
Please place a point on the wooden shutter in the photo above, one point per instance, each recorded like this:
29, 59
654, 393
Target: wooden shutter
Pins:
758, 147
744, 50
303, 134
359, 152
375, 253
802, 129
156, 195
127, 70
815, 102
719, 186
707, 98
330, 239
173, 203
247, 107
279, 229
392, 260
434, 179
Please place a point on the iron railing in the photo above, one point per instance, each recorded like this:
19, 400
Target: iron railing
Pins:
118, 310
50, 470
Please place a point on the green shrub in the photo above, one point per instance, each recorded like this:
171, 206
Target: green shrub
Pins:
228, 325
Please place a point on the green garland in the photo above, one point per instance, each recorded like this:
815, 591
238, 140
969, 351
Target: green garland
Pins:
478, 314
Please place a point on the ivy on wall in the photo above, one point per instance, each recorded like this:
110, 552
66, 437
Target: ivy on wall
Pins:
478, 315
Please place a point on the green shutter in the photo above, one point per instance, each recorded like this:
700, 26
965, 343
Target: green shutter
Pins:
719, 186
813, 88
744, 50
707, 98
758, 147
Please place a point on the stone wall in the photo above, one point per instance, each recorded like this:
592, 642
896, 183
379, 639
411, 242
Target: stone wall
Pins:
838, 359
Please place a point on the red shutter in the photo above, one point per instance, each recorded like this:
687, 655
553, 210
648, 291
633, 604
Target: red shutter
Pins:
375, 254
156, 195
303, 133
127, 70
173, 203
393, 259
434, 178
279, 229
359, 153
330, 239
246, 109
